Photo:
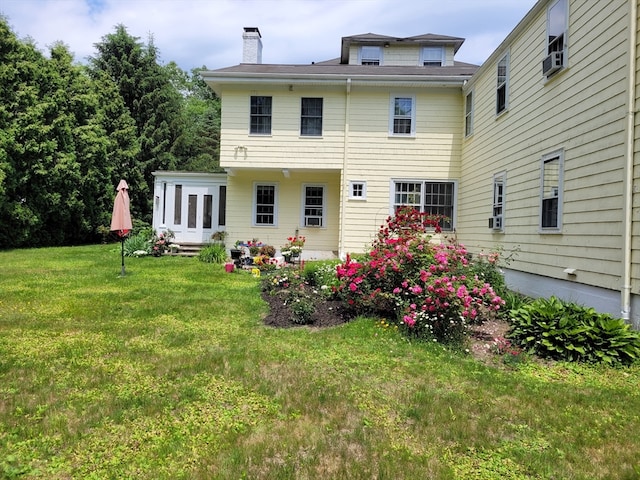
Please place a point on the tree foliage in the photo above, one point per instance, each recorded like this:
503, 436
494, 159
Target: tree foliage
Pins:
69, 132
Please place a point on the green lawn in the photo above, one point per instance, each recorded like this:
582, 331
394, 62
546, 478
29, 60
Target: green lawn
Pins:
168, 373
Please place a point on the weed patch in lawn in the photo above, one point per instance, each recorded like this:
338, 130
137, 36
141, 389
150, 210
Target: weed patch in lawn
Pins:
171, 373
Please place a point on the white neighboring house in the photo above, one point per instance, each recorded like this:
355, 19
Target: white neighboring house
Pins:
191, 204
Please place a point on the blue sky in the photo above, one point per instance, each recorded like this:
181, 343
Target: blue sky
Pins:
194, 33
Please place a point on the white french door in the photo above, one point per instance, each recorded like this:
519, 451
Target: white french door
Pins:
200, 213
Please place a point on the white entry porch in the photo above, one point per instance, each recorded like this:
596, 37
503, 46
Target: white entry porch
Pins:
191, 204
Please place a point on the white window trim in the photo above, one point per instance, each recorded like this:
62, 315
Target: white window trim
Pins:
507, 59
254, 205
324, 205
380, 50
392, 191
392, 105
500, 177
442, 54
307, 135
258, 134
364, 190
559, 154
565, 39
470, 114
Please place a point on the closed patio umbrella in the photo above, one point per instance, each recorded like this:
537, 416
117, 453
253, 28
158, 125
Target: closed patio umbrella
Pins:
121, 217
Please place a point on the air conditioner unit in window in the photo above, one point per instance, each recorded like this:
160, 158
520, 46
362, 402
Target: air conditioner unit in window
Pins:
495, 223
552, 63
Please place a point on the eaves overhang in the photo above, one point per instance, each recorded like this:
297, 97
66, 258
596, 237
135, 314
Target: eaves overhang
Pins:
218, 80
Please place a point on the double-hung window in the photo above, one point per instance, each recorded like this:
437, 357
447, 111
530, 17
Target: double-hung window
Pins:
497, 211
370, 55
468, 114
557, 28
551, 192
264, 204
260, 116
432, 56
431, 197
502, 84
314, 206
311, 117
403, 117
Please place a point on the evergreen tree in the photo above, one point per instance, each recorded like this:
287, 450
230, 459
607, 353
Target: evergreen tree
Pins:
152, 100
64, 140
25, 144
199, 145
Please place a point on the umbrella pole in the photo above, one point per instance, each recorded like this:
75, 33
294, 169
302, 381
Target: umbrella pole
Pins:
122, 243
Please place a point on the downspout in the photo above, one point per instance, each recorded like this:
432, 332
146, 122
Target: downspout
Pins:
344, 193
625, 309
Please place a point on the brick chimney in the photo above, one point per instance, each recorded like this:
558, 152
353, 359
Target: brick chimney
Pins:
251, 45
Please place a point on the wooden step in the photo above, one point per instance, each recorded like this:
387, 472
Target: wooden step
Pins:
188, 250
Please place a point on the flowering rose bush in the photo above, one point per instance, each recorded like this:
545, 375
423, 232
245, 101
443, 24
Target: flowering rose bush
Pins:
431, 289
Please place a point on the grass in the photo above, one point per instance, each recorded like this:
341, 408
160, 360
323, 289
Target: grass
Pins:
168, 373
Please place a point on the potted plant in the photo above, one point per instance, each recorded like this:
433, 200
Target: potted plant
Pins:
293, 248
219, 236
236, 253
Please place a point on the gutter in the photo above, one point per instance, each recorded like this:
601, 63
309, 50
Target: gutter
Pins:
216, 80
625, 309
344, 187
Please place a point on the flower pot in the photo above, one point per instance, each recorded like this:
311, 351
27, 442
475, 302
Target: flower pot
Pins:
228, 267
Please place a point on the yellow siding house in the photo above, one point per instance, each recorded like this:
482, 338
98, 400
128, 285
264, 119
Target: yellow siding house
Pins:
327, 150
535, 151
550, 151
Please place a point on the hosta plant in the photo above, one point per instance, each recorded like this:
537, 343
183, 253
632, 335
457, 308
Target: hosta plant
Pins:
552, 328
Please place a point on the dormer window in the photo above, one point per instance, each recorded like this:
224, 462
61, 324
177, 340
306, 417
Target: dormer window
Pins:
432, 56
370, 55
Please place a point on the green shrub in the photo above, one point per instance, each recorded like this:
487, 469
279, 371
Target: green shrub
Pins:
322, 275
213, 253
137, 243
142, 228
551, 328
292, 288
302, 307
514, 300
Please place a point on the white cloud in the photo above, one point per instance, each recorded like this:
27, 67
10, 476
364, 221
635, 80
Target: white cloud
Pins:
203, 32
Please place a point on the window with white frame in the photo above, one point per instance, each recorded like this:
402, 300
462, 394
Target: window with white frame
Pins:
314, 205
311, 117
502, 84
357, 190
432, 56
402, 116
260, 116
370, 55
497, 210
432, 197
551, 191
468, 114
557, 29
264, 204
